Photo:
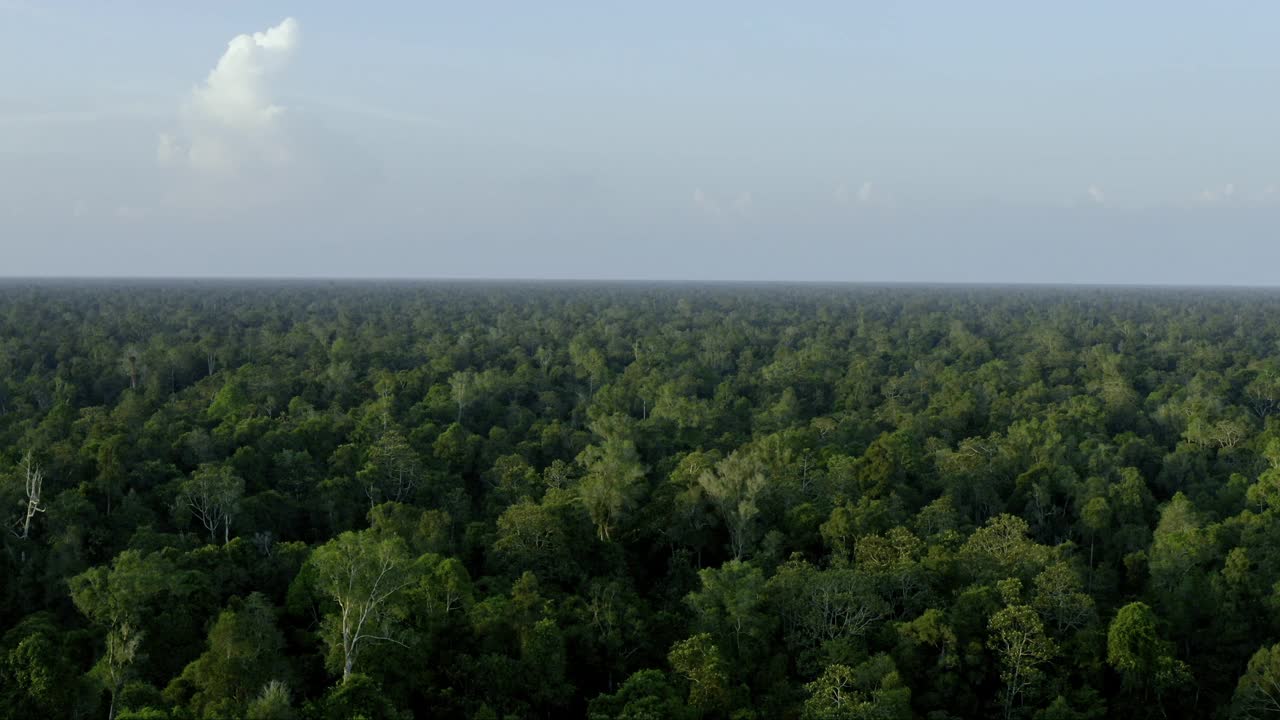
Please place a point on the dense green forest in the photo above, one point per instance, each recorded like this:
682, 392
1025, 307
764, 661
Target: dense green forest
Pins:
623, 501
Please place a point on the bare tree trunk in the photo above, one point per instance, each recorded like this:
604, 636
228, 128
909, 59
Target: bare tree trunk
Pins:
34, 483
111, 709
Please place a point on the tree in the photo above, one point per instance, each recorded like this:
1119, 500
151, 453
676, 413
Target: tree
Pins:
871, 691
117, 597
212, 495
38, 676
392, 471
1258, 690
1018, 637
699, 662
244, 654
1001, 548
461, 384
1135, 650
612, 484
730, 604
116, 664
532, 536
646, 695
819, 607
131, 363
271, 704
735, 486
363, 575
33, 486
1060, 599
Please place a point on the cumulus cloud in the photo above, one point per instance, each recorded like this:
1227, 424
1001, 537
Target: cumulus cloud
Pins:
232, 123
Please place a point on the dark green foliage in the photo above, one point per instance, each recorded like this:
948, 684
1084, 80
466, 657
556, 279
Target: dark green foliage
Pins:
313, 501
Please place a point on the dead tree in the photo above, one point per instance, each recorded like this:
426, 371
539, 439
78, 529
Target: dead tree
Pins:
34, 481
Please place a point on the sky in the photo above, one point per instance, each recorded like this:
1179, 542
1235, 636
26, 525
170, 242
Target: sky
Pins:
1089, 142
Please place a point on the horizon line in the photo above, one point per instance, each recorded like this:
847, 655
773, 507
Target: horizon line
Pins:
295, 279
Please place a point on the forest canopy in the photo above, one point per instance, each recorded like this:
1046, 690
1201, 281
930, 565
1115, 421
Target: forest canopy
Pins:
324, 500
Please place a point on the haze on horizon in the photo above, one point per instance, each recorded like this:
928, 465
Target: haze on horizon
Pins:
1011, 142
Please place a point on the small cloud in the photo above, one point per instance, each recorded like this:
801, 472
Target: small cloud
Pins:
131, 213
1096, 195
1218, 196
866, 195
735, 206
705, 203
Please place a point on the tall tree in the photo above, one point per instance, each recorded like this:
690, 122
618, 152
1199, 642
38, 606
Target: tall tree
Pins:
117, 598
735, 486
612, 484
363, 574
212, 495
33, 488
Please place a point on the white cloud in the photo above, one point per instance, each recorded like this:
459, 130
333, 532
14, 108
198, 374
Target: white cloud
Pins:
131, 213
231, 123
705, 203
1097, 195
1218, 196
738, 205
867, 194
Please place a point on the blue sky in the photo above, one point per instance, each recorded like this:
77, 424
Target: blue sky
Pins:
963, 142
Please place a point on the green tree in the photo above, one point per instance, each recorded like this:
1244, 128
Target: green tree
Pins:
698, 661
870, 691
646, 695
117, 598
363, 575
212, 495
1018, 638
1135, 650
245, 653
612, 484
730, 604
1258, 690
735, 487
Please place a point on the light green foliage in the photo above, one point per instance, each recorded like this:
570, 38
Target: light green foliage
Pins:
1258, 691
613, 483
364, 577
245, 652
735, 487
1059, 598
730, 604
118, 598
1019, 641
646, 695
870, 691
212, 496
699, 662
272, 703
1136, 651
